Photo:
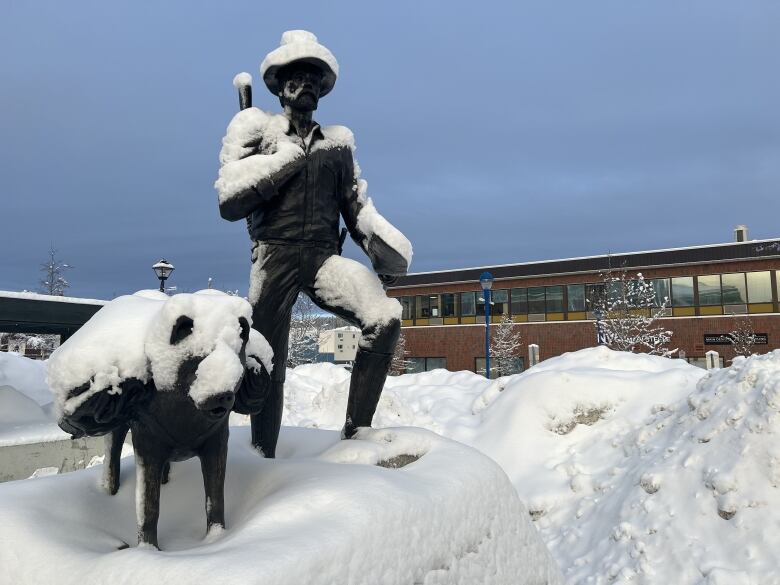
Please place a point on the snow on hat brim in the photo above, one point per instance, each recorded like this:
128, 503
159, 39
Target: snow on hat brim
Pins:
299, 46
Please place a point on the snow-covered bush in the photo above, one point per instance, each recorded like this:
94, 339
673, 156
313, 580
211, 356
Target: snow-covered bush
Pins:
630, 314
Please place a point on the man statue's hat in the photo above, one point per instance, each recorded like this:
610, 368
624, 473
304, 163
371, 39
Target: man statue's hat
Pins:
299, 45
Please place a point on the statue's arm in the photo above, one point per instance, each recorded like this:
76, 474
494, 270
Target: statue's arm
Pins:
249, 182
388, 249
255, 161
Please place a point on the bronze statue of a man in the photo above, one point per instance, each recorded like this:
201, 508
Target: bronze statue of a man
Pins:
293, 180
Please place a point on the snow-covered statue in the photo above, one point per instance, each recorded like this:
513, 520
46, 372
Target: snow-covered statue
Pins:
170, 370
293, 180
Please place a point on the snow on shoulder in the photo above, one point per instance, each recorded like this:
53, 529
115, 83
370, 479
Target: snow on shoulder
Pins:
243, 167
131, 338
394, 506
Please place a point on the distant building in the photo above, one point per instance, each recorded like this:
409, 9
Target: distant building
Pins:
339, 345
443, 316
34, 324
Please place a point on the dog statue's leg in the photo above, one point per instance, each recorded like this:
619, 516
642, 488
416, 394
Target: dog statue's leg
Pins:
113, 451
213, 460
149, 468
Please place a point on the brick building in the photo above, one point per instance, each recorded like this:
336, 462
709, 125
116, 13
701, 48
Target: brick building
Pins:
708, 287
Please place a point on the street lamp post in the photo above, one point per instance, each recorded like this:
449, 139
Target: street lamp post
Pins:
486, 281
163, 270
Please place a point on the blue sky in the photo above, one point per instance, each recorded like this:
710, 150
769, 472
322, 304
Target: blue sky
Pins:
489, 132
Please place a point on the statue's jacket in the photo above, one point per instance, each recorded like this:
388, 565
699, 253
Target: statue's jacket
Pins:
294, 191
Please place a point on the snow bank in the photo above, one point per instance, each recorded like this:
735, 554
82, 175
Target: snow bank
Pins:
635, 468
26, 404
323, 513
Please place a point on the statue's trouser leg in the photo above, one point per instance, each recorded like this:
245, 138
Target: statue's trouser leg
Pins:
365, 388
273, 291
348, 289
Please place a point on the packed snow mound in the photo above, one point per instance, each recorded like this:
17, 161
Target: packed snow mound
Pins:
327, 511
26, 376
26, 404
133, 337
18, 409
635, 468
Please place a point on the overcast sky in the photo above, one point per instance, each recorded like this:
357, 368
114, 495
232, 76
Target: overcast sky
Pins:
489, 133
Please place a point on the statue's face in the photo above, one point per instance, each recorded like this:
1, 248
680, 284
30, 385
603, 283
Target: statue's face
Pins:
301, 84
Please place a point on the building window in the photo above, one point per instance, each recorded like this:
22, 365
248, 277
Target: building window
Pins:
519, 301
777, 284
423, 306
481, 304
576, 297
554, 299
500, 300
709, 290
682, 291
759, 287
536, 299
448, 305
433, 303
435, 363
340, 346
734, 289
661, 289
415, 365
594, 295
407, 307
468, 306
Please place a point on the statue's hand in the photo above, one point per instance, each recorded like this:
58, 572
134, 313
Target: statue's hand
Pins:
387, 279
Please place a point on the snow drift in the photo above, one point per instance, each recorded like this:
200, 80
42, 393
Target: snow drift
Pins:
26, 404
635, 468
323, 513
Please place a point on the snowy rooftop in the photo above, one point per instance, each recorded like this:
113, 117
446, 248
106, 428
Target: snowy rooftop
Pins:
753, 249
41, 297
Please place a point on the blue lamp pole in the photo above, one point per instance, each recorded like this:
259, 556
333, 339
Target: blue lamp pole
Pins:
600, 337
486, 281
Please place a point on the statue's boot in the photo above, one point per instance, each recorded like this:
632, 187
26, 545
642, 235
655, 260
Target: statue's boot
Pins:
368, 378
266, 423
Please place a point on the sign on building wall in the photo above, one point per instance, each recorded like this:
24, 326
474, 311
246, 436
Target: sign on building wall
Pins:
726, 338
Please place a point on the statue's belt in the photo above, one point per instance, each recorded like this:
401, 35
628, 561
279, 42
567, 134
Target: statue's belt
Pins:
331, 244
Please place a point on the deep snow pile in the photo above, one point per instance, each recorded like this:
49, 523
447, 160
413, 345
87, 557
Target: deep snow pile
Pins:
632, 472
323, 513
26, 405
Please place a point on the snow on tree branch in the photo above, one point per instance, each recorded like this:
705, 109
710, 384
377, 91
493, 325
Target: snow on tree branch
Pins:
505, 347
400, 361
631, 310
53, 281
742, 335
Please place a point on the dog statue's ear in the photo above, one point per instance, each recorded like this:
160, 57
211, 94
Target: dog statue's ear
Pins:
244, 329
181, 329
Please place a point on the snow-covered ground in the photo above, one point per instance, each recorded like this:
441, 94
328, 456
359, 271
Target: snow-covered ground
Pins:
323, 513
635, 469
